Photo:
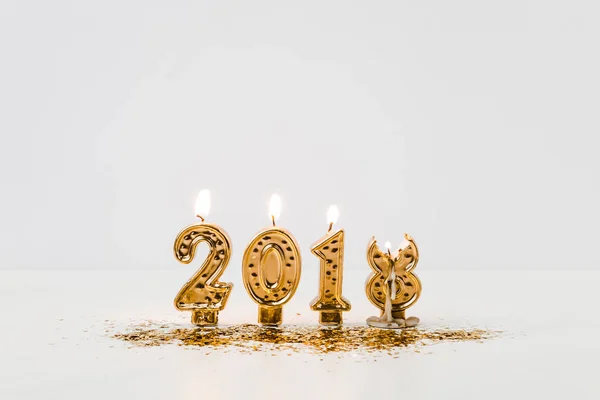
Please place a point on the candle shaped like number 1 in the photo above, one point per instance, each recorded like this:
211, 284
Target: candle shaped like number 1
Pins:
203, 294
271, 269
330, 249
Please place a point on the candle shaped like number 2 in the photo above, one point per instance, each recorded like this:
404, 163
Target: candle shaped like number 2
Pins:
203, 294
271, 269
330, 250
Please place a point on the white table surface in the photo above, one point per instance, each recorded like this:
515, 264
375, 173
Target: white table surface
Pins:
56, 343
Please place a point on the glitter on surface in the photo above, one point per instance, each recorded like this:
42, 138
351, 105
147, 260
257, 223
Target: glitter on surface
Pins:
290, 338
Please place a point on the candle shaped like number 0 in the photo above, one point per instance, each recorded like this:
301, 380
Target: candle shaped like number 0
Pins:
203, 294
271, 269
330, 249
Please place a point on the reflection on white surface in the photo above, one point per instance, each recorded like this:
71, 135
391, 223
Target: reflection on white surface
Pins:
56, 343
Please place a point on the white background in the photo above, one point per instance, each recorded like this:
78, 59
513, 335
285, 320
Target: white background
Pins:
471, 125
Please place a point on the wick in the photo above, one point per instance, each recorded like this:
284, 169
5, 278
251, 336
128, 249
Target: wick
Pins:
273, 219
200, 216
330, 226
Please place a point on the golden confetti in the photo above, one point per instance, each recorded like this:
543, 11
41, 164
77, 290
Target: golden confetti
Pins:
315, 340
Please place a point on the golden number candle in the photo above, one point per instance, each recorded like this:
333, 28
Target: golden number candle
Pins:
271, 269
330, 250
393, 273
203, 294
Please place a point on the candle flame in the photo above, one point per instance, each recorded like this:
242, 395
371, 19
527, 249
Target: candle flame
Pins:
405, 243
275, 207
333, 214
388, 246
203, 204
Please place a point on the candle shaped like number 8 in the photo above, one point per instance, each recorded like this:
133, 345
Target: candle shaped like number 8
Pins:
330, 249
203, 294
271, 269
392, 286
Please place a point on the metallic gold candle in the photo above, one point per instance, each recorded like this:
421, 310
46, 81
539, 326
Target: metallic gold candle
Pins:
271, 269
392, 286
330, 250
203, 294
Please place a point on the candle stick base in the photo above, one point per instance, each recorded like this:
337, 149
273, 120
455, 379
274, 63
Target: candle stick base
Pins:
384, 323
270, 315
330, 317
205, 318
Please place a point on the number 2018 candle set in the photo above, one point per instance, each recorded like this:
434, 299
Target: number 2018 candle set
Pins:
271, 269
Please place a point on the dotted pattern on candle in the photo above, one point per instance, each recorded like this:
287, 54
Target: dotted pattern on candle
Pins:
408, 286
203, 290
271, 267
331, 253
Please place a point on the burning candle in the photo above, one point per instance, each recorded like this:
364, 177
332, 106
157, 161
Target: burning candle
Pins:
271, 268
203, 294
392, 286
330, 250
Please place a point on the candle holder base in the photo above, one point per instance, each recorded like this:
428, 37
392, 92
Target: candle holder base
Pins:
205, 318
270, 315
330, 318
384, 323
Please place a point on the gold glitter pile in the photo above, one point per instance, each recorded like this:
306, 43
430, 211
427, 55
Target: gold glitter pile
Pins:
315, 340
